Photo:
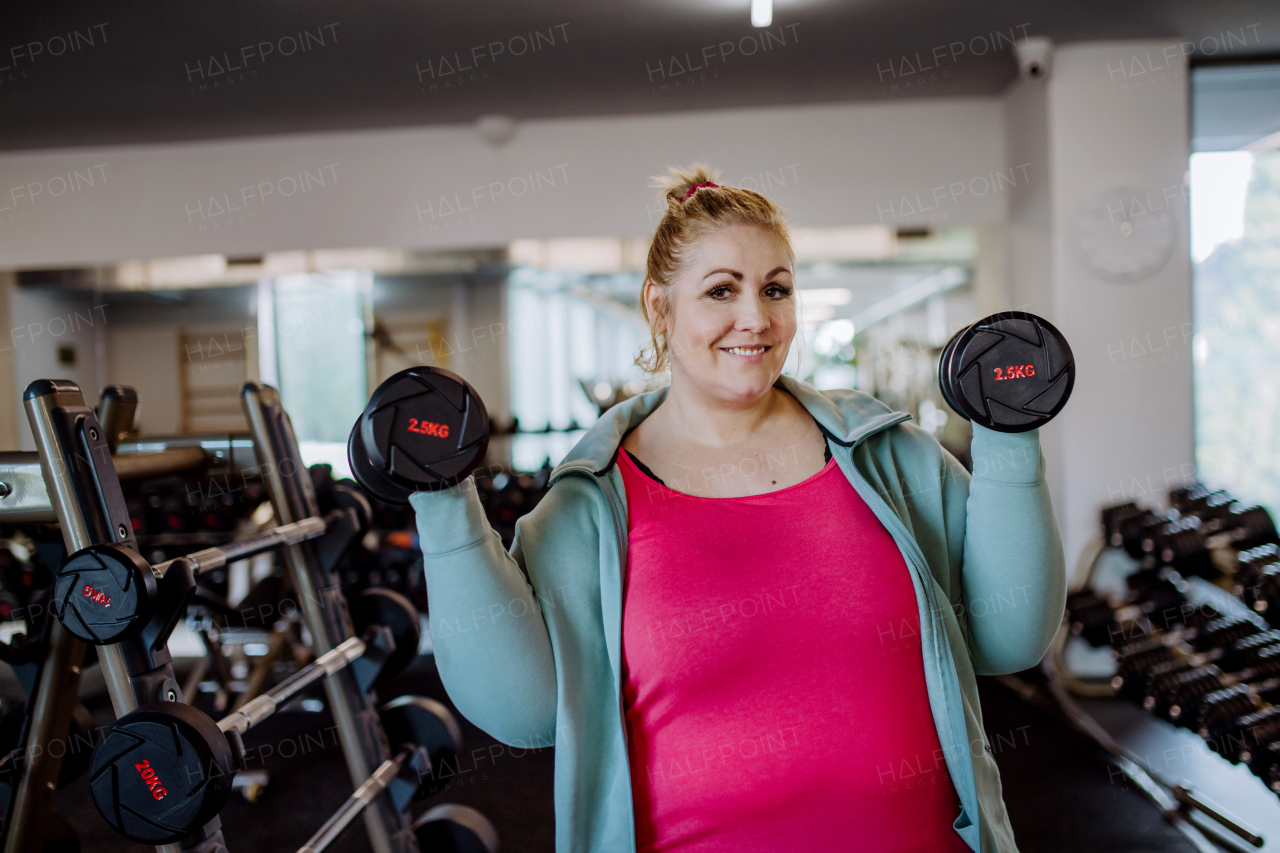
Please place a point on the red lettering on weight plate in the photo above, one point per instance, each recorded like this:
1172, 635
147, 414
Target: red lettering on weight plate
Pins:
428, 428
151, 780
1017, 371
97, 595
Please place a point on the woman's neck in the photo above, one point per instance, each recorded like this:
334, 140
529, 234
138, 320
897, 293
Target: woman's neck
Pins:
705, 420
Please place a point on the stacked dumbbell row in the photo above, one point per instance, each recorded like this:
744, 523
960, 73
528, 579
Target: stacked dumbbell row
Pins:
1198, 523
1216, 675
1249, 565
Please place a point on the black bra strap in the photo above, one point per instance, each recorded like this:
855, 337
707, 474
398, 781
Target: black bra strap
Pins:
644, 469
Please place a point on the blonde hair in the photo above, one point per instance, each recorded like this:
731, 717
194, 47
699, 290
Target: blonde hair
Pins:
690, 217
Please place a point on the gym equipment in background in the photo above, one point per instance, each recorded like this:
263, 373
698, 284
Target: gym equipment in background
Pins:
1010, 372
1185, 651
85, 500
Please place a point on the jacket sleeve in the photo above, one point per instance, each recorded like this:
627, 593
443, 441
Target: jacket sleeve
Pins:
1013, 573
491, 644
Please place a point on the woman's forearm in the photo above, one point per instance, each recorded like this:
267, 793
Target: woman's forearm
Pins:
1014, 573
490, 640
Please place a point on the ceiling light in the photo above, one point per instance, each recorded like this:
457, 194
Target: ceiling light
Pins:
761, 13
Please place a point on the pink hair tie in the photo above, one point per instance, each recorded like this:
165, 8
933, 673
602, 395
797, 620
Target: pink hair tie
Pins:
695, 187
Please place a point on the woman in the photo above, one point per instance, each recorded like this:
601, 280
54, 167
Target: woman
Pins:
749, 613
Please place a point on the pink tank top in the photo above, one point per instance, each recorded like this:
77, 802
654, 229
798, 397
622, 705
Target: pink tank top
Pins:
775, 695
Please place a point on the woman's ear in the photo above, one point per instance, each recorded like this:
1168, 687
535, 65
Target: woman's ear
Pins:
652, 296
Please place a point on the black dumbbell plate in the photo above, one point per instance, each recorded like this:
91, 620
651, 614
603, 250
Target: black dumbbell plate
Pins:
370, 477
161, 772
1010, 372
425, 429
392, 610
454, 828
943, 372
104, 593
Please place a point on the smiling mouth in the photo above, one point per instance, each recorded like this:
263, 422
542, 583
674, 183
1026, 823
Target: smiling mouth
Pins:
746, 350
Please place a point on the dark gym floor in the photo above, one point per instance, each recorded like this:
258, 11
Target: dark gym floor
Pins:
1058, 790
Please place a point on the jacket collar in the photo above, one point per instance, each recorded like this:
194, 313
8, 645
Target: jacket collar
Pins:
845, 416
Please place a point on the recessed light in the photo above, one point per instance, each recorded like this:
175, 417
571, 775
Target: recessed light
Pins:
761, 13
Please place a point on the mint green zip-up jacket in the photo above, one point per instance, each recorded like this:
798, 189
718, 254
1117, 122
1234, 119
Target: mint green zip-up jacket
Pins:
529, 643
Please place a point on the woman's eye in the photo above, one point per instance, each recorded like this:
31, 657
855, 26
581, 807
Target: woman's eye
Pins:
779, 291
718, 292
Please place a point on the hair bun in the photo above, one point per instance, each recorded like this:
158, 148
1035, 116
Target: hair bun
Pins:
675, 185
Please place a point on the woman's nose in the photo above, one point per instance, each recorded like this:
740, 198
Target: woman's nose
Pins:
752, 316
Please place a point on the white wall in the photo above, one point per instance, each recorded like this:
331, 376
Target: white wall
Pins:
42, 321
1127, 432
830, 165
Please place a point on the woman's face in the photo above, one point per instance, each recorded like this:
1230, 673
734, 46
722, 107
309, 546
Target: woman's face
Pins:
733, 313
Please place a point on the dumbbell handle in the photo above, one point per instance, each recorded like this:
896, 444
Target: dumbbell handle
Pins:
379, 780
216, 558
265, 704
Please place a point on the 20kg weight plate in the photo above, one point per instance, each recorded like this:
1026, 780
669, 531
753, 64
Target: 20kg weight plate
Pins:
161, 772
424, 429
1010, 372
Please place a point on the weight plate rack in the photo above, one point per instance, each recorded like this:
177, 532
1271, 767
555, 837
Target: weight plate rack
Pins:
107, 595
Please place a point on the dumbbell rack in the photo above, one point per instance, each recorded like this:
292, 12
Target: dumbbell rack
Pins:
1161, 641
1172, 752
81, 492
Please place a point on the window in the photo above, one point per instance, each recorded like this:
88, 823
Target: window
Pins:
313, 349
1235, 217
574, 338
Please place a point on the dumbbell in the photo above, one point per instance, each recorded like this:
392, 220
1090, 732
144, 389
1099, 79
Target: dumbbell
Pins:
1152, 670
1157, 600
331, 494
1226, 521
388, 608
1010, 372
1111, 517
1185, 697
1236, 740
1249, 565
1149, 665
165, 770
424, 429
107, 593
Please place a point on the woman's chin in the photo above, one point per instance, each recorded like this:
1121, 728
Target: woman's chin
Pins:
744, 388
